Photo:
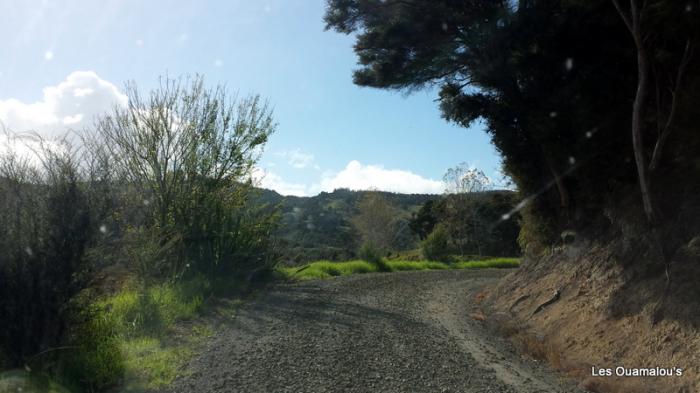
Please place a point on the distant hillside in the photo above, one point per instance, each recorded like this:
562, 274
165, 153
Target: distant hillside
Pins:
319, 227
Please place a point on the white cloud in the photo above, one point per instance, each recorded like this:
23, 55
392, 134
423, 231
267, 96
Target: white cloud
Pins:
73, 103
356, 176
271, 181
299, 159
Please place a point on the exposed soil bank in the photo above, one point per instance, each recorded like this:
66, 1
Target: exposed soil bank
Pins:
399, 332
608, 314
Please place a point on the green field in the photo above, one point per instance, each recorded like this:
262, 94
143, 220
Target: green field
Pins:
327, 269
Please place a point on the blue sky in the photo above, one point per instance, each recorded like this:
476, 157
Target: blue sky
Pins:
330, 133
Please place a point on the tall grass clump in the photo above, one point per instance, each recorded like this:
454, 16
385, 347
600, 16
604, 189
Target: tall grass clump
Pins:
370, 253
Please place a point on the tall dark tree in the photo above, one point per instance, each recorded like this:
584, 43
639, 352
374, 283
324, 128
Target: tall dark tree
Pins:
423, 222
551, 79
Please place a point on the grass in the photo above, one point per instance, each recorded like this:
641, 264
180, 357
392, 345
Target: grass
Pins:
158, 329
326, 269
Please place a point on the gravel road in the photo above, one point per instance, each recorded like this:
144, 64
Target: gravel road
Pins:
399, 332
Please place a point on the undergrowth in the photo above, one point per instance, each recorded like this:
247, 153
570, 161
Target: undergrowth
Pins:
158, 329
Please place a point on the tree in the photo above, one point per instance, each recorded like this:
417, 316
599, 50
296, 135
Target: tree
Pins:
436, 246
636, 22
464, 179
189, 151
549, 79
459, 208
374, 222
423, 222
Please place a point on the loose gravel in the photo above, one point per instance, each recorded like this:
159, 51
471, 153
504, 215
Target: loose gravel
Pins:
398, 332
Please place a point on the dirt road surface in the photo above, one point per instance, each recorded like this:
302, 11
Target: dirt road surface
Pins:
398, 332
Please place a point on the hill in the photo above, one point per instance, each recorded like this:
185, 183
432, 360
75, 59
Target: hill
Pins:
319, 227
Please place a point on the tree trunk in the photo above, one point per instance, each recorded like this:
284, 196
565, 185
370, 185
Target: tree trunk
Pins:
633, 22
637, 126
564, 197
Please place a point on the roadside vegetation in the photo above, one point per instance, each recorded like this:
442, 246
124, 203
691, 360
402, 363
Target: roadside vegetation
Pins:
116, 238
328, 269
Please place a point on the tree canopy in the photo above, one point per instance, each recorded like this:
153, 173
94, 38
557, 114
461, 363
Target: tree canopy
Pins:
552, 80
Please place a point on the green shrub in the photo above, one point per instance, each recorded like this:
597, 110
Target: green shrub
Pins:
436, 246
44, 230
373, 255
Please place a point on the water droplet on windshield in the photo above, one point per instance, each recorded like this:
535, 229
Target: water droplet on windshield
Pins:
569, 64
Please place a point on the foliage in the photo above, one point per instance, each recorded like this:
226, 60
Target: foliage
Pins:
44, 229
162, 186
483, 223
552, 81
320, 227
423, 222
190, 151
374, 223
436, 246
369, 253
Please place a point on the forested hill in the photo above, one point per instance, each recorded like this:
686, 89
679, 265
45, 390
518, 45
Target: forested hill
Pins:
320, 227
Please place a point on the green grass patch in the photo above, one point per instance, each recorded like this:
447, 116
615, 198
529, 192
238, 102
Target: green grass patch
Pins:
498, 263
151, 363
327, 269
158, 328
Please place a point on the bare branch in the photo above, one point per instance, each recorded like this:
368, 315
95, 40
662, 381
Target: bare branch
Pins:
669, 126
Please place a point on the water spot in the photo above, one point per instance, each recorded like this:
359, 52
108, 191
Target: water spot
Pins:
500, 23
103, 228
553, 114
505, 217
48, 55
146, 202
444, 26
218, 63
569, 64
29, 251
572, 160
688, 7
139, 43
589, 134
